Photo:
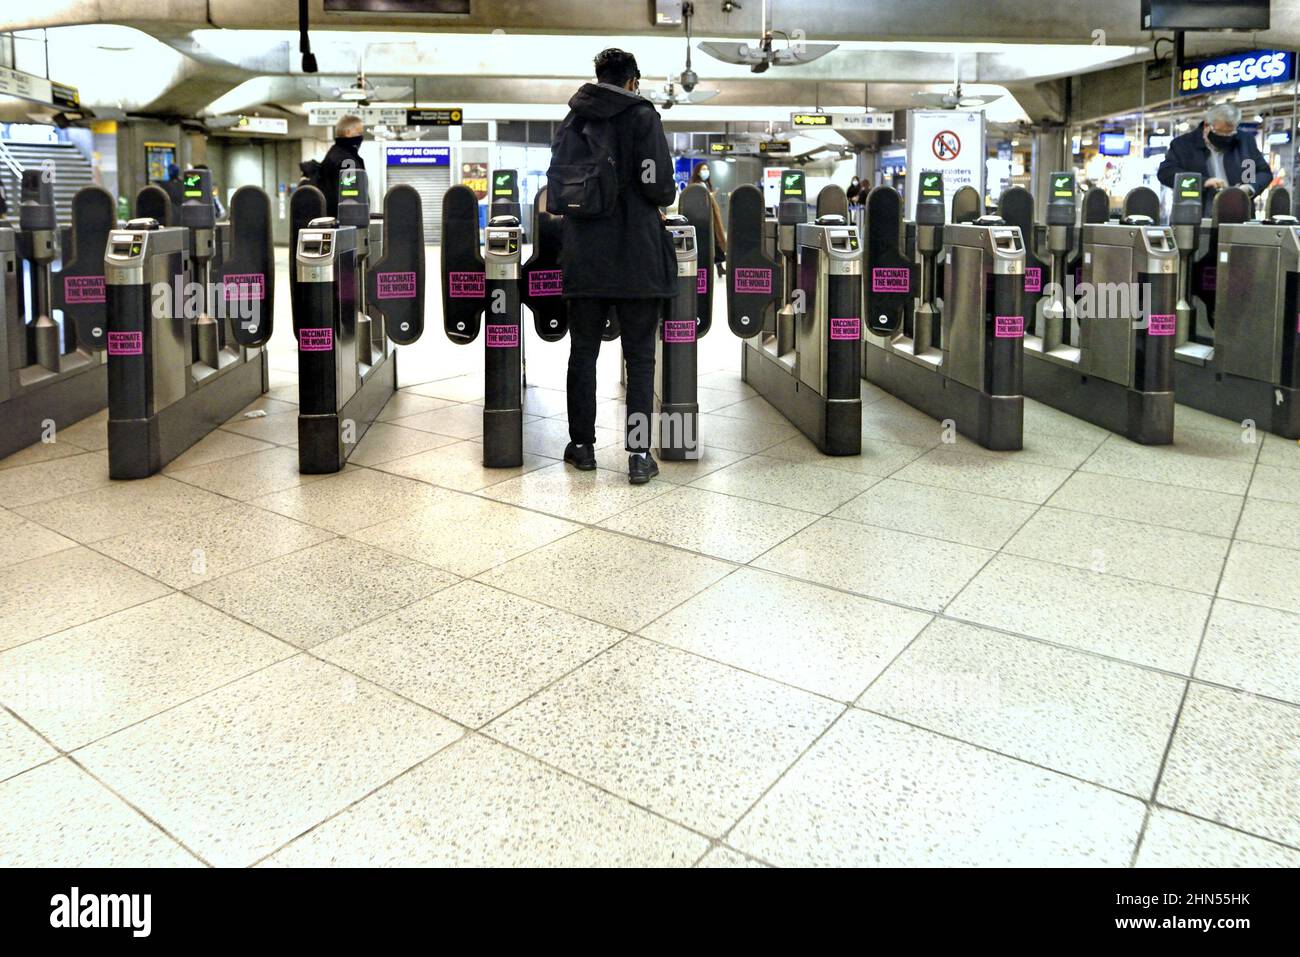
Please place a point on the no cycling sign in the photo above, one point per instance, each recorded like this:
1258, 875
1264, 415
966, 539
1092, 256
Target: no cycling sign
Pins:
946, 145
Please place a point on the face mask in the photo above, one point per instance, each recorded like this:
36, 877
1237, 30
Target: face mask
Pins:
855, 181
704, 174
352, 142
1221, 141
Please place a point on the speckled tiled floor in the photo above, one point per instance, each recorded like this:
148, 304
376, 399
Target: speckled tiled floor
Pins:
1084, 654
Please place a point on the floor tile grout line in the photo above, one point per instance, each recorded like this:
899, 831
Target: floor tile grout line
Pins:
894, 660
719, 844
340, 812
990, 749
1142, 827
1156, 805
90, 621
138, 810
733, 570
597, 786
1196, 656
944, 616
748, 809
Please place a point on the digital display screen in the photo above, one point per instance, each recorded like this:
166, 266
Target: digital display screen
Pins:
1205, 14
1113, 144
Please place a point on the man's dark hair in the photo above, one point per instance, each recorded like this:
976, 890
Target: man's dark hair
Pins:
616, 66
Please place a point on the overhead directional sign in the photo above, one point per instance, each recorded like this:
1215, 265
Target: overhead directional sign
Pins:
441, 117
327, 114
261, 124
721, 148
843, 121
28, 87
774, 146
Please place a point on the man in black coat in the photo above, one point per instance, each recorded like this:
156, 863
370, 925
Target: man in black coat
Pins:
624, 260
348, 134
1222, 155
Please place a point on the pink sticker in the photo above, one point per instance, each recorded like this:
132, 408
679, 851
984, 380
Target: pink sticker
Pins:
466, 285
1209, 277
891, 279
702, 282
83, 289
1163, 325
752, 280
1033, 279
546, 282
679, 330
1009, 327
315, 340
247, 285
846, 328
126, 343
400, 285
502, 336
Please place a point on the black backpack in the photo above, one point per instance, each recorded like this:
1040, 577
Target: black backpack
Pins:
583, 179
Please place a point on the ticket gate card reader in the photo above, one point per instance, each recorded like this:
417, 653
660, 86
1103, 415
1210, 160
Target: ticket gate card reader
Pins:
676, 354
1185, 220
51, 372
1052, 321
474, 284
1251, 371
970, 369
353, 304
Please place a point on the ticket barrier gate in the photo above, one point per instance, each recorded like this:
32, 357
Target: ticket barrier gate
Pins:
185, 341
1239, 354
959, 358
487, 281
1111, 365
360, 292
52, 373
805, 359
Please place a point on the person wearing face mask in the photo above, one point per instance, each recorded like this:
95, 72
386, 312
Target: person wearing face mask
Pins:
855, 192
701, 174
1222, 154
344, 154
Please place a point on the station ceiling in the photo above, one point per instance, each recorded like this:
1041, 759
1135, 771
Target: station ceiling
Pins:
219, 56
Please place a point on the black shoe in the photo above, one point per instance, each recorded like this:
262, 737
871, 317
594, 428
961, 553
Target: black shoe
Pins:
581, 457
641, 468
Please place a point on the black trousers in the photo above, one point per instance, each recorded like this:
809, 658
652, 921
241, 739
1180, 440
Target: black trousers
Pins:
638, 321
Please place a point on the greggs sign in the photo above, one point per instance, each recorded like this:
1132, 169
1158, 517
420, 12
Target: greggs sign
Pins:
1256, 68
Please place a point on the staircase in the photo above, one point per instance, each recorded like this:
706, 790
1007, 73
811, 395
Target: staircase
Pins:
72, 171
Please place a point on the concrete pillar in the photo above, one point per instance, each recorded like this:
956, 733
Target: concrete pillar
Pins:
1050, 153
